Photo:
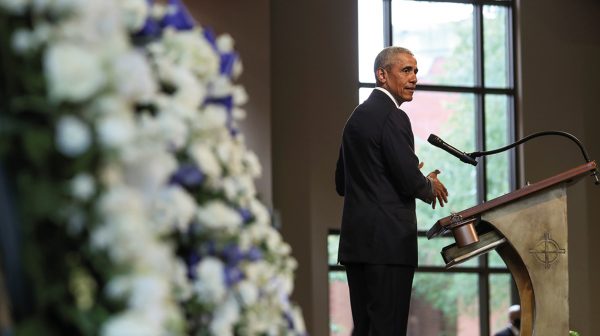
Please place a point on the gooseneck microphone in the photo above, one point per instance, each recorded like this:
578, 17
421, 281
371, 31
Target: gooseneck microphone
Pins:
470, 157
438, 142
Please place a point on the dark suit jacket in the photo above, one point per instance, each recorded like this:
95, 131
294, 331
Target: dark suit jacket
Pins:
505, 332
377, 173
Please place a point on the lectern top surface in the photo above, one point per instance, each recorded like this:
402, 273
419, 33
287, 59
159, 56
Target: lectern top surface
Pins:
569, 176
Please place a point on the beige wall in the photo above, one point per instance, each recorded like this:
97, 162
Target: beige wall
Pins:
300, 71
314, 62
560, 49
248, 22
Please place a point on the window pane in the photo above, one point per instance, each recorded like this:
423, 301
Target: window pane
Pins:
430, 252
496, 51
495, 260
441, 37
452, 117
500, 294
363, 94
444, 304
370, 37
333, 241
496, 136
340, 313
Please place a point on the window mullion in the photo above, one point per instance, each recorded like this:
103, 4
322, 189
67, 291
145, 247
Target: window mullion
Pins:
387, 23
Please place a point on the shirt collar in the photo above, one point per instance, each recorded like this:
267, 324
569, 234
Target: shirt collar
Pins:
389, 95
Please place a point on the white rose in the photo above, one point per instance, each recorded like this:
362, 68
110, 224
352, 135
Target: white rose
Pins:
252, 164
210, 285
15, 6
238, 113
72, 73
225, 43
134, 13
174, 207
83, 186
205, 158
147, 169
240, 96
130, 324
221, 87
192, 52
73, 137
299, 325
174, 129
212, 116
115, 131
148, 291
248, 292
217, 215
132, 77
225, 317
23, 41
260, 211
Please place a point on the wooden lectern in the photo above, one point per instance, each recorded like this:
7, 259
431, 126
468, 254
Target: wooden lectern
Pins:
528, 228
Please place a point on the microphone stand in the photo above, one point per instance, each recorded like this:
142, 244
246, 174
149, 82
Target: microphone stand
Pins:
595, 173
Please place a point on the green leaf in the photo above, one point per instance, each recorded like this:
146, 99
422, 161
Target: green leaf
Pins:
38, 144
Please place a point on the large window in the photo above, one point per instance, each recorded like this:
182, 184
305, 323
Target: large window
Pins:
465, 94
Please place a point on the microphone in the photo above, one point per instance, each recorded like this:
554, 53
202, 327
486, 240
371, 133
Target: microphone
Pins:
438, 142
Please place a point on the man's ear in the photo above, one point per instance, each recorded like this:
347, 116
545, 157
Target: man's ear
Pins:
381, 75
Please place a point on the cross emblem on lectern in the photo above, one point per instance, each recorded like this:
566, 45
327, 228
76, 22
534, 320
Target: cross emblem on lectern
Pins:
547, 250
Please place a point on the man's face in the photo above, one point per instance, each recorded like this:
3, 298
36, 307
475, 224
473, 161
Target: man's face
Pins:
400, 79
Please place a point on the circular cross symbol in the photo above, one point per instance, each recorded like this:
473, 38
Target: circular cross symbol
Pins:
547, 250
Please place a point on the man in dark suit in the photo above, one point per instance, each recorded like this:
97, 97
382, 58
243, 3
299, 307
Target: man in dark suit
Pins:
379, 176
514, 316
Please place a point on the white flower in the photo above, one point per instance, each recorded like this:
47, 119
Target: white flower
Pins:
212, 116
240, 96
174, 129
221, 87
225, 317
239, 188
83, 186
183, 287
23, 41
186, 49
252, 164
261, 213
56, 7
299, 326
14, 6
130, 324
132, 77
210, 285
225, 43
217, 215
188, 90
115, 131
147, 170
134, 13
248, 292
174, 207
238, 114
72, 72
73, 137
205, 158
230, 154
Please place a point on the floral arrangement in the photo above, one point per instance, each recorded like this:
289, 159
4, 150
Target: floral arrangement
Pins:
135, 187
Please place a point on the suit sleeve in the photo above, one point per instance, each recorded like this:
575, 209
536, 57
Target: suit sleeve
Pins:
401, 159
340, 179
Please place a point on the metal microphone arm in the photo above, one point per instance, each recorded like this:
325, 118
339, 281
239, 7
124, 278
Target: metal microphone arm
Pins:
595, 174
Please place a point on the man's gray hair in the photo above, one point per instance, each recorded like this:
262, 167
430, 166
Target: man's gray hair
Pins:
384, 58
